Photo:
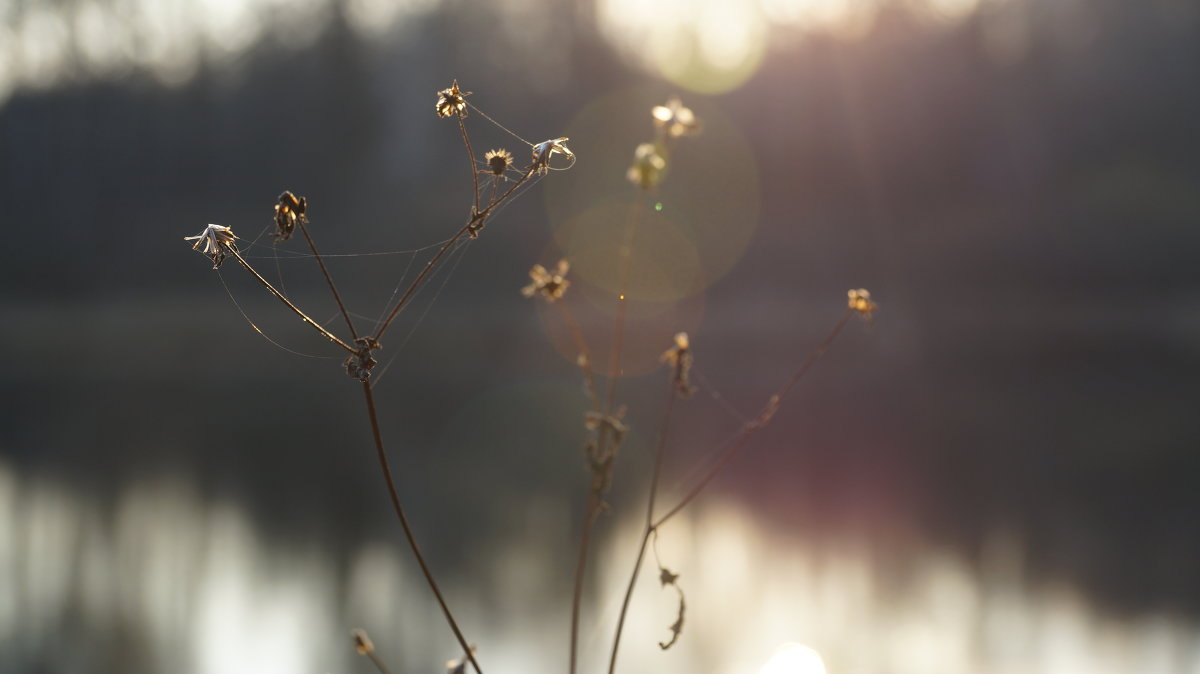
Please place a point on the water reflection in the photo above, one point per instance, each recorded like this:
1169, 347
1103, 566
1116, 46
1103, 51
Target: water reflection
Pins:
169, 582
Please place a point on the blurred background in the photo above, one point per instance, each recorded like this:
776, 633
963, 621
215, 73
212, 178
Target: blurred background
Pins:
998, 477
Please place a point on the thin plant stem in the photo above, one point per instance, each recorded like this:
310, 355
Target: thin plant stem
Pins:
614, 361
471, 158
280, 296
408, 534
659, 453
763, 418
593, 509
584, 352
378, 663
476, 217
614, 371
337, 297
633, 577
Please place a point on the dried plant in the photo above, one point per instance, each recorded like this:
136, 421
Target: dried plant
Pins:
604, 425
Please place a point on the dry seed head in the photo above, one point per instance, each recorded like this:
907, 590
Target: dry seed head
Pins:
214, 242
452, 101
674, 119
648, 166
362, 642
288, 211
498, 161
547, 148
679, 358
551, 286
860, 301
359, 364
666, 577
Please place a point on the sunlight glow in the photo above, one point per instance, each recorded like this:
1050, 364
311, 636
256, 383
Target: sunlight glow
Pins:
708, 46
794, 659
48, 44
713, 46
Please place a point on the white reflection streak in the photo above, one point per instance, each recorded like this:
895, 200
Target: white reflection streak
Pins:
251, 618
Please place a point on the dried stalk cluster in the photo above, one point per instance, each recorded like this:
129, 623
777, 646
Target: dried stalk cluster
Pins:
604, 422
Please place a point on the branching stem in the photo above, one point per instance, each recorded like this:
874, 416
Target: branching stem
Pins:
763, 418
270, 288
659, 453
337, 297
477, 217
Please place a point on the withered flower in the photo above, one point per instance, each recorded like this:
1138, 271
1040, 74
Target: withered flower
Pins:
552, 286
666, 577
290, 210
360, 363
362, 642
452, 101
676, 627
674, 119
648, 166
214, 240
498, 161
860, 301
545, 149
679, 357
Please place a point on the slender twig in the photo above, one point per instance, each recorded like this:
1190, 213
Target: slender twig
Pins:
495, 189
378, 663
303, 316
337, 297
471, 158
476, 217
408, 534
593, 509
614, 361
659, 452
614, 371
584, 353
763, 418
